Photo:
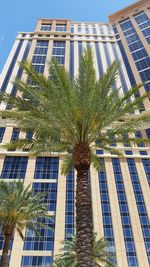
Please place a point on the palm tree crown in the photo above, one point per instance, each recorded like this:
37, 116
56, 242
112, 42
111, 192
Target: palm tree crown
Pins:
63, 113
68, 257
19, 209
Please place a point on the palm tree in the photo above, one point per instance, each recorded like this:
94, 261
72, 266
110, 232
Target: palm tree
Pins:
68, 257
71, 116
19, 209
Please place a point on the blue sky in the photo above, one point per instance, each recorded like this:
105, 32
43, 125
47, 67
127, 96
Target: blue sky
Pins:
16, 15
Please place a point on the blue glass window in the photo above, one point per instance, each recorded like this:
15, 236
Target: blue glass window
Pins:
126, 25
61, 27
128, 152
148, 133
80, 48
15, 134
2, 132
20, 72
50, 190
34, 242
139, 54
99, 152
146, 165
11, 67
39, 59
42, 43
14, 168
46, 27
36, 261
141, 18
99, 59
58, 51
144, 153
70, 203
139, 135
40, 50
29, 135
86, 29
143, 63
94, 29
39, 68
72, 59
46, 168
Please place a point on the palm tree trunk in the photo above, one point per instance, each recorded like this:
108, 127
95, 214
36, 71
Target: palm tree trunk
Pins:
84, 220
4, 258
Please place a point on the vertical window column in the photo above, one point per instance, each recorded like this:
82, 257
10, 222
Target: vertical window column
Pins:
106, 213
125, 216
39, 56
58, 51
145, 223
70, 204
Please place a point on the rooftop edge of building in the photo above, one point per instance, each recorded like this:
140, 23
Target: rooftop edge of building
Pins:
123, 13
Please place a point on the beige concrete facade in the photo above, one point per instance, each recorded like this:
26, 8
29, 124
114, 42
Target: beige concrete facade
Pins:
97, 41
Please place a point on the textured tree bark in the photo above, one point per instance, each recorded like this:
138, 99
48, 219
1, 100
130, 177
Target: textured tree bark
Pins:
84, 221
4, 258
84, 217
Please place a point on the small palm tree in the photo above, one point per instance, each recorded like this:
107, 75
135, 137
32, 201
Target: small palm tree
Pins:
68, 257
19, 209
71, 116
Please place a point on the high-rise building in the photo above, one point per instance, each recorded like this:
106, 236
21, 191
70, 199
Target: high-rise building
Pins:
121, 192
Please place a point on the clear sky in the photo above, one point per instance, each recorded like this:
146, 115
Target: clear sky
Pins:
21, 15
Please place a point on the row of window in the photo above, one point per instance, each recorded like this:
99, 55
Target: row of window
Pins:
103, 30
58, 27
45, 168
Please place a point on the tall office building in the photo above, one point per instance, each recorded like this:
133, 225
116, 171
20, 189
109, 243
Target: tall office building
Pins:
121, 192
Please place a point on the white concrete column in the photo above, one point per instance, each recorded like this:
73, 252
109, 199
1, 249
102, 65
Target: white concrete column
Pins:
96, 203
60, 211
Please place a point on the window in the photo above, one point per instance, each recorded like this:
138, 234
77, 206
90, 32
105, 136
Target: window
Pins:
128, 152
34, 242
14, 168
79, 28
50, 190
72, 29
15, 134
36, 261
58, 51
61, 27
2, 131
29, 135
86, 29
139, 135
46, 168
99, 152
39, 59
46, 27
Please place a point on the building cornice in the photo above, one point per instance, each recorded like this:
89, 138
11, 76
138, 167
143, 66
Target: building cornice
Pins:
123, 13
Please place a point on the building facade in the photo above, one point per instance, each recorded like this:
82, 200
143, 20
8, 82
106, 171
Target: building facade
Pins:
121, 192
